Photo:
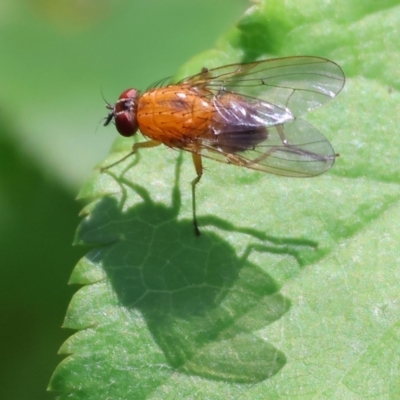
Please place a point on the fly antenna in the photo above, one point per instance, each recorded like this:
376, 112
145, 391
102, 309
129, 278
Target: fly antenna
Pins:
108, 105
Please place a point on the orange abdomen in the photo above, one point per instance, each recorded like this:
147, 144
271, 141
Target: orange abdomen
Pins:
174, 114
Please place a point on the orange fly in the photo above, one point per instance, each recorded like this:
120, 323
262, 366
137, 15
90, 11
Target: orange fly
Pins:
242, 114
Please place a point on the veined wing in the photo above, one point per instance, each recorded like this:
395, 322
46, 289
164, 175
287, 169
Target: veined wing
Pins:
299, 84
295, 149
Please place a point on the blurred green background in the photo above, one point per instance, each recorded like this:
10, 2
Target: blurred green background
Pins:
56, 58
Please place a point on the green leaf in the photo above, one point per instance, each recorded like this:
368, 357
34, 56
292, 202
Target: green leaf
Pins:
292, 289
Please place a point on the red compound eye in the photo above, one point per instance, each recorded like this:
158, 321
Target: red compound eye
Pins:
124, 112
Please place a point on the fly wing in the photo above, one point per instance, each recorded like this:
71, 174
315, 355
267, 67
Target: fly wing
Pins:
236, 112
298, 84
295, 149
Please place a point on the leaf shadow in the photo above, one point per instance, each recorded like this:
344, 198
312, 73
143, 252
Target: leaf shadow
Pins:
202, 302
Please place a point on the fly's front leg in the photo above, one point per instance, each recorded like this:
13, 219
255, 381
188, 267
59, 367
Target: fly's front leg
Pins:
135, 148
198, 165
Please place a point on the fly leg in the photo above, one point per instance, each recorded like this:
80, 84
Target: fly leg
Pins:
236, 160
232, 158
299, 151
294, 150
281, 133
135, 148
198, 165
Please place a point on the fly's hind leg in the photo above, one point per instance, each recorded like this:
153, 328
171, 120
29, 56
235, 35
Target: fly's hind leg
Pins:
135, 148
281, 133
198, 165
